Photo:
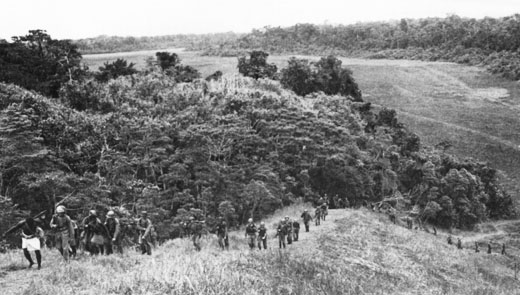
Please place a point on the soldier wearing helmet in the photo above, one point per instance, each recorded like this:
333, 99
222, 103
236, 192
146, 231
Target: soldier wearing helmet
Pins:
262, 236
64, 229
222, 235
306, 216
281, 232
114, 229
251, 233
144, 226
95, 233
196, 228
289, 230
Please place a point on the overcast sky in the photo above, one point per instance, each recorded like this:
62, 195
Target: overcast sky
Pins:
74, 19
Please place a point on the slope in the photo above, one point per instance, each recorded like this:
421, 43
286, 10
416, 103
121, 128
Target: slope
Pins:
352, 252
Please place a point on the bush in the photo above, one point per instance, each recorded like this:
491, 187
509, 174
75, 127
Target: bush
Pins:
256, 66
118, 68
326, 75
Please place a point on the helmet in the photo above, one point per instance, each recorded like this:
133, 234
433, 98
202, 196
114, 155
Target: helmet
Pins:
144, 213
110, 213
192, 218
250, 220
60, 209
262, 223
92, 213
305, 210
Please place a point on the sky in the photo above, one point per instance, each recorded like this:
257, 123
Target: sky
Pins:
73, 19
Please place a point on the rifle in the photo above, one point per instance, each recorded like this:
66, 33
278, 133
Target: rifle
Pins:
12, 228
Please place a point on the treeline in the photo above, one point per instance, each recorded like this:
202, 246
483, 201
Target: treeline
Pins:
493, 42
235, 147
107, 44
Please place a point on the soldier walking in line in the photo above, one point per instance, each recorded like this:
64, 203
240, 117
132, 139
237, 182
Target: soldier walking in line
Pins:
289, 230
222, 235
62, 224
450, 241
306, 219
477, 250
317, 216
503, 249
31, 235
95, 233
262, 236
144, 226
251, 233
114, 231
489, 248
196, 228
459, 243
324, 210
281, 232
296, 229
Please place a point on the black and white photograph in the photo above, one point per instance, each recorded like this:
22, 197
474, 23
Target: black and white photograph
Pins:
243, 147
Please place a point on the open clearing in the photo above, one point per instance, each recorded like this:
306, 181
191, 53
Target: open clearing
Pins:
474, 110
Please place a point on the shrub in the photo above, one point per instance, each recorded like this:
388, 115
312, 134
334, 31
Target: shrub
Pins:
118, 68
256, 66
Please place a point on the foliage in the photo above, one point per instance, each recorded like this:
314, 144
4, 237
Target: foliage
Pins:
326, 75
112, 70
256, 66
38, 62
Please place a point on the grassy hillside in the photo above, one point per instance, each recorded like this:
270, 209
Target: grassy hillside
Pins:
353, 252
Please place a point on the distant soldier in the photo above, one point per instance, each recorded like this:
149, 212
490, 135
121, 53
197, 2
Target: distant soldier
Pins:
409, 222
503, 249
477, 250
144, 227
324, 211
197, 227
296, 229
489, 248
31, 235
262, 236
341, 203
251, 233
306, 219
222, 235
317, 215
289, 230
434, 231
450, 241
281, 232
62, 224
459, 243
391, 215
114, 231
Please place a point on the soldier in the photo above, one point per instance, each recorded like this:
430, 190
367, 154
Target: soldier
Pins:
74, 242
391, 215
31, 235
262, 236
95, 233
144, 226
409, 222
489, 247
503, 249
197, 227
114, 230
324, 210
450, 242
281, 232
317, 215
477, 250
306, 219
62, 224
296, 229
222, 235
434, 231
459, 243
251, 233
288, 230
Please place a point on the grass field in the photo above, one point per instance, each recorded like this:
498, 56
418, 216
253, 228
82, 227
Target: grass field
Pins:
476, 111
352, 252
